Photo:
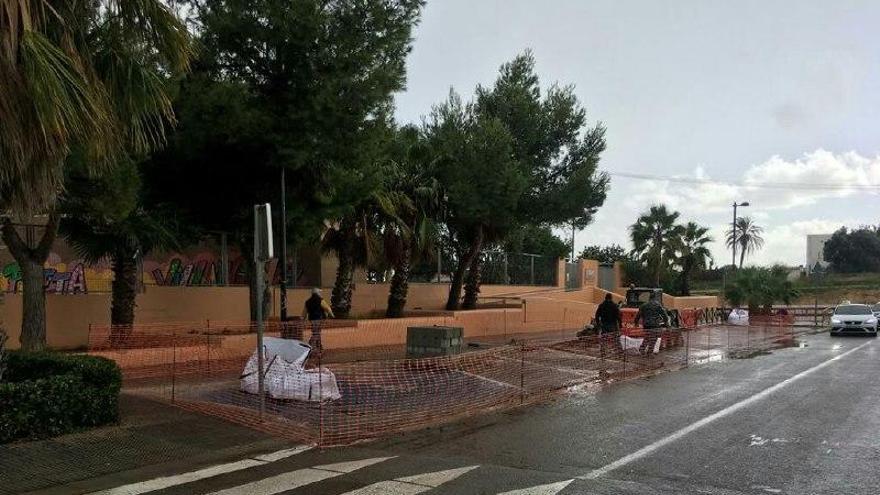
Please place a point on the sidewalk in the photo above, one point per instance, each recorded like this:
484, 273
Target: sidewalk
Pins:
152, 440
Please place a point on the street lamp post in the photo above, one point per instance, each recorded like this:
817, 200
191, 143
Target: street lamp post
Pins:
733, 225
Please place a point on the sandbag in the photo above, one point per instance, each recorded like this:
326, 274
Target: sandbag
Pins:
738, 317
632, 344
285, 377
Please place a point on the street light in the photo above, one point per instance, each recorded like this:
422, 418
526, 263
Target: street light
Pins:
735, 205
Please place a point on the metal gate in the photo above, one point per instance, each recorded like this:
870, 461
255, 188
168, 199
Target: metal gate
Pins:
607, 280
572, 276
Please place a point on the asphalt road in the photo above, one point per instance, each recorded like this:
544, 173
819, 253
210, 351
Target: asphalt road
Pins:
802, 420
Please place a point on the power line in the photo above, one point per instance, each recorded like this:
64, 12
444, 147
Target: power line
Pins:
798, 186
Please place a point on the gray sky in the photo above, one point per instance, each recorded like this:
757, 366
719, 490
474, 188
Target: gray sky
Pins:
744, 92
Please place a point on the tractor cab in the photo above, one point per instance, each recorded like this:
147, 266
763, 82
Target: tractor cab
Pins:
636, 296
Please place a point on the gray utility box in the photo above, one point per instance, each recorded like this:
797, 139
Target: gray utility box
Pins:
433, 341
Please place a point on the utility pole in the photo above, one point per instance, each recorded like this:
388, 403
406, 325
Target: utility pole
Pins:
263, 252
283, 260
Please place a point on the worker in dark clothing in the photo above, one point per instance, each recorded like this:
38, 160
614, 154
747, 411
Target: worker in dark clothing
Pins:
608, 319
653, 317
608, 316
316, 310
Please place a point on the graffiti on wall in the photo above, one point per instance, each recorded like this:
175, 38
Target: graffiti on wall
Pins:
202, 269
59, 278
177, 272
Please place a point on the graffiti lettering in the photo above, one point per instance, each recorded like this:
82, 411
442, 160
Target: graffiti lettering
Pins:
56, 281
201, 272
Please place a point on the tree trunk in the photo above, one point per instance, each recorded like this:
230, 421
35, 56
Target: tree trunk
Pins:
124, 297
684, 286
30, 261
458, 276
742, 256
343, 287
472, 283
399, 283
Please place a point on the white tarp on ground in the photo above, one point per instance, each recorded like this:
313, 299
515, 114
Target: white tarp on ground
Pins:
285, 376
632, 344
738, 317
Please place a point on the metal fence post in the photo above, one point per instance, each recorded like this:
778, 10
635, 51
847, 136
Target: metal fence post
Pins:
522, 365
208, 350
320, 397
173, 366
708, 343
687, 349
533, 270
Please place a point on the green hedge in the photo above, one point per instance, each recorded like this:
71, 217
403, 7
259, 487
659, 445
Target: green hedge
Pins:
48, 394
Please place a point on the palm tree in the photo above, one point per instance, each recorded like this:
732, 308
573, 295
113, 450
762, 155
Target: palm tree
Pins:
692, 253
356, 239
747, 237
759, 288
76, 77
106, 219
654, 238
410, 235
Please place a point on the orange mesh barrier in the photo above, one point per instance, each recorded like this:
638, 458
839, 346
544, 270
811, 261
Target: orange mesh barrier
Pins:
381, 390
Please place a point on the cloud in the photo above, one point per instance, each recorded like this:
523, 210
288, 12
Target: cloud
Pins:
781, 211
815, 176
787, 243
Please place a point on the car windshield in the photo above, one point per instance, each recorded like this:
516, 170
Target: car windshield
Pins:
853, 309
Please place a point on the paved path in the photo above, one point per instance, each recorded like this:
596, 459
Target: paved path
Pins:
799, 421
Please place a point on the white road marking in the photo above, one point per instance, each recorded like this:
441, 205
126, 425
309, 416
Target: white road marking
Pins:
437, 478
548, 489
412, 485
650, 449
301, 477
282, 454
209, 472
490, 380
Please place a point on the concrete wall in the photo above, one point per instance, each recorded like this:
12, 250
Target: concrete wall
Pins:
69, 316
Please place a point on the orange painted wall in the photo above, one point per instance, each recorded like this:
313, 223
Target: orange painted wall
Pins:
69, 316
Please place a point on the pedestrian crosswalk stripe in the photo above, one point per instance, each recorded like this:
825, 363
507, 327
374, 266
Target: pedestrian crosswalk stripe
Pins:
349, 466
282, 454
301, 477
412, 485
209, 472
436, 478
548, 489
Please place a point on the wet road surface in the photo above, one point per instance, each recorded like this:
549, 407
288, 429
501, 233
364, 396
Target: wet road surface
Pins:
801, 420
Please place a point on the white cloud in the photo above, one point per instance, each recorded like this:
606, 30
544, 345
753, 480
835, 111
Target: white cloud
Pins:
804, 181
787, 244
787, 214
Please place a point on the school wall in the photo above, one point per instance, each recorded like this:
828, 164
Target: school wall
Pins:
70, 315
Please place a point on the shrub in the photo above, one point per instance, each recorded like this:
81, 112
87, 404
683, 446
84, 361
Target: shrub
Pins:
47, 394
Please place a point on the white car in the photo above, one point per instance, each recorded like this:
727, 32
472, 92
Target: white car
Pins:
853, 319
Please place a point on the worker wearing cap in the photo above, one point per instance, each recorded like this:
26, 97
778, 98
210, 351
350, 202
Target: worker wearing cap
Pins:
316, 309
